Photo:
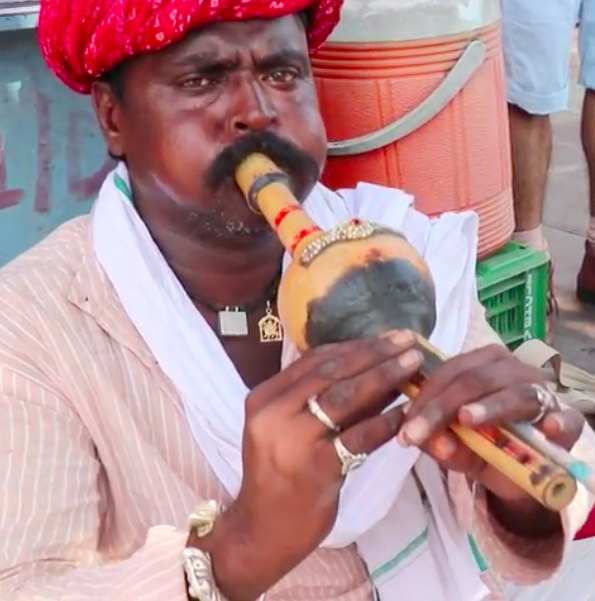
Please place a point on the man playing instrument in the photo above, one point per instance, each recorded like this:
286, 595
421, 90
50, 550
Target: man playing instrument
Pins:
139, 384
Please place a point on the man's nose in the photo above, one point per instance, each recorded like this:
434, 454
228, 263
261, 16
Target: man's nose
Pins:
254, 111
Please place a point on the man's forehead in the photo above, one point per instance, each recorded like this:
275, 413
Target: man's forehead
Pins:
259, 36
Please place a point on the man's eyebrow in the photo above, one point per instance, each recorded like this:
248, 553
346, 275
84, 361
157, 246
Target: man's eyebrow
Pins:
283, 57
206, 62
212, 62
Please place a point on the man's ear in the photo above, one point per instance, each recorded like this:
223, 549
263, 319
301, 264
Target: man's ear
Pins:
109, 113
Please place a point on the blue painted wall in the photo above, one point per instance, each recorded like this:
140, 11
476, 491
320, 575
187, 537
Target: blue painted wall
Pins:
52, 158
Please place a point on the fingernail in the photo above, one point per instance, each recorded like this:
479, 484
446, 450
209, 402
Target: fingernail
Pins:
478, 413
411, 359
399, 337
416, 431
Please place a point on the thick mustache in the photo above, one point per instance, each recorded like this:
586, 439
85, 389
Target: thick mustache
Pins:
301, 167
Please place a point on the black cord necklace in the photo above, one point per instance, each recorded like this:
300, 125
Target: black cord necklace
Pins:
232, 320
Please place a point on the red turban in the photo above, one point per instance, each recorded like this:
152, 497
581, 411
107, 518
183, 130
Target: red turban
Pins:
81, 39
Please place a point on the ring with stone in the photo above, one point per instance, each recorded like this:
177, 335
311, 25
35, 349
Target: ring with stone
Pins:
547, 402
318, 412
349, 461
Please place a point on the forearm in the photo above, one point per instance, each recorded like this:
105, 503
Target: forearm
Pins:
513, 558
231, 561
523, 544
245, 564
524, 517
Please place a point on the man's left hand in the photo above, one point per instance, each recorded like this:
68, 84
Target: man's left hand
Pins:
485, 386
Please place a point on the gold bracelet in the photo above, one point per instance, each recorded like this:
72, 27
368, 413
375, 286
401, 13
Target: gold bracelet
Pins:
204, 516
198, 564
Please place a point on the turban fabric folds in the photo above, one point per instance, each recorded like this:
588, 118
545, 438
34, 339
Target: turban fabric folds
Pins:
81, 39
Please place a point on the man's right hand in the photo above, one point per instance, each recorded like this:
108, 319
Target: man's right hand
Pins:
289, 496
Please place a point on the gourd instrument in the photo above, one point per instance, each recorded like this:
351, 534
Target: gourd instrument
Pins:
361, 279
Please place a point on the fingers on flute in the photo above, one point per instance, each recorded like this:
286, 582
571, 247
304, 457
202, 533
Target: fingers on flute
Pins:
461, 381
487, 386
451, 454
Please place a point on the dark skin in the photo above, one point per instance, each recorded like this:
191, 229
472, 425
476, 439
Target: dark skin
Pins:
183, 106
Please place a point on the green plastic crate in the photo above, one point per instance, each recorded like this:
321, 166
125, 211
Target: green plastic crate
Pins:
513, 286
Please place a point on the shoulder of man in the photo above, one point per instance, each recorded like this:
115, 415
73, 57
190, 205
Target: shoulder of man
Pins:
56, 258
35, 286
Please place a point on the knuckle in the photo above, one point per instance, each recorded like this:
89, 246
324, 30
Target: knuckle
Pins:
387, 377
483, 379
473, 380
332, 369
257, 427
314, 360
267, 425
359, 355
339, 394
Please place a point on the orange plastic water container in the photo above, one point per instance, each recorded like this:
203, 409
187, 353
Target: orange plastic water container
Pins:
412, 93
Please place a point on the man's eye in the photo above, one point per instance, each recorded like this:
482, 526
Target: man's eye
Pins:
199, 82
283, 75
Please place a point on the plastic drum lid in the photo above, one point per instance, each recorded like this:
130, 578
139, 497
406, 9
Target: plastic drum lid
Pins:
370, 21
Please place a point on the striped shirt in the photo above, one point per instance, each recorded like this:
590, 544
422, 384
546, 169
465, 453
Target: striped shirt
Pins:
99, 469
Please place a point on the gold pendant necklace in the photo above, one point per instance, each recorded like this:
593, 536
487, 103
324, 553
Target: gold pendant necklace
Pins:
232, 321
269, 326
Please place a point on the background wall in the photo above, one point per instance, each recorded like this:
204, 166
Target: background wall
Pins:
52, 158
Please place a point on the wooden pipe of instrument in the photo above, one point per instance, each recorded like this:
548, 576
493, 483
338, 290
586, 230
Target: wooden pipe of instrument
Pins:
361, 279
530, 470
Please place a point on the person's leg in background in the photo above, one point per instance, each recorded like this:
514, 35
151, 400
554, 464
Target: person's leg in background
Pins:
531, 146
585, 285
537, 40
